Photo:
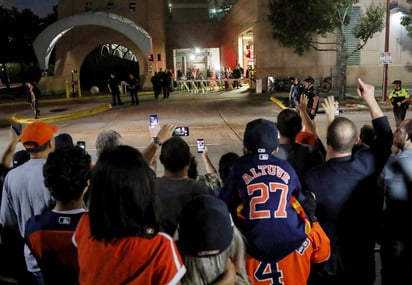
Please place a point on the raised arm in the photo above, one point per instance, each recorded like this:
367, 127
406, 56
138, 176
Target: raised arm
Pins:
7, 156
163, 135
367, 93
329, 107
308, 124
210, 168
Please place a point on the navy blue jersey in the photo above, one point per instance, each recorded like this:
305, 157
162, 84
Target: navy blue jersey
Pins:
258, 192
49, 237
53, 221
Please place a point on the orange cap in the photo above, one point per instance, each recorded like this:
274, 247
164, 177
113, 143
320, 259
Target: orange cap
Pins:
37, 133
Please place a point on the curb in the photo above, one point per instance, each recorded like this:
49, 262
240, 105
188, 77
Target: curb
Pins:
278, 102
348, 108
73, 115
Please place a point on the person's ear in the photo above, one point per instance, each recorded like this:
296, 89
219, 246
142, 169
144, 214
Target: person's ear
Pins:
87, 186
51, 144
275, 150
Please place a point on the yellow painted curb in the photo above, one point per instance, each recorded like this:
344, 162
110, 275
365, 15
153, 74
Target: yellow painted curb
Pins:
278, 102
74, 115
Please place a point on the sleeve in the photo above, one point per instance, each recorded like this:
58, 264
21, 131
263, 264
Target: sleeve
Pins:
381, 147
229, 193
390, 95
170, 266
320, 243
80, 230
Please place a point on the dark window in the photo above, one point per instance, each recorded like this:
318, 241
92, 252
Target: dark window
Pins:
132, 6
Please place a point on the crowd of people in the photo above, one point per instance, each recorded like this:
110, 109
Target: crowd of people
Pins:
290, 209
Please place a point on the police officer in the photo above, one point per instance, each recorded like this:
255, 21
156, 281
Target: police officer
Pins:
313, 98
399, 98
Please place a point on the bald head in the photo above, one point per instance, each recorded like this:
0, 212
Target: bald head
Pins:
341, 135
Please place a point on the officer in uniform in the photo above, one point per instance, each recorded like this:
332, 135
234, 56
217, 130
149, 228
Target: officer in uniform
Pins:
399, 98
313, 98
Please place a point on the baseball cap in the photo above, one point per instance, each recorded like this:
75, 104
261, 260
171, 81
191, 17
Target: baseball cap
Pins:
37, 134
397, 82
205, 228
20, 157
309, 79
261, 136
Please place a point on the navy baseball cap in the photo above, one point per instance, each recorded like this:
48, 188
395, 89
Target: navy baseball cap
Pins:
20, 157
205, 227
309, 79
261, 136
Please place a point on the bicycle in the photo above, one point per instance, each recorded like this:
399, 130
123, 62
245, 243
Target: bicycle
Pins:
278, 84
325, 84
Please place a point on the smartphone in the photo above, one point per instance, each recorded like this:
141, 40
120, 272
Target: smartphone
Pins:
200, 145
18, 128
336, 108
82, 145
153, 121
181, 131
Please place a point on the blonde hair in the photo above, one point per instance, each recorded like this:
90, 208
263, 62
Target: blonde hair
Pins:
206, 270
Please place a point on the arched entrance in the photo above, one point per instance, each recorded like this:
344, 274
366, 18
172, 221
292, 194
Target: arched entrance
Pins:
47, 40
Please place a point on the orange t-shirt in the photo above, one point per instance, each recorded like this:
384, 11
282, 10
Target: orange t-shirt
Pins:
129, 260
293, 269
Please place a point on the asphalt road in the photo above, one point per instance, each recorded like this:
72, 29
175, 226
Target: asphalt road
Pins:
217, 117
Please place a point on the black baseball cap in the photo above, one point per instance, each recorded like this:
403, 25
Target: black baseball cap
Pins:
261, 136
20, 157
309, 79
397, 82
205, 227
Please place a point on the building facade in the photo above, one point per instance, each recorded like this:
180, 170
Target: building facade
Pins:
202, 34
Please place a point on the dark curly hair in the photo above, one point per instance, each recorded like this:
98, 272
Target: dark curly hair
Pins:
66, 173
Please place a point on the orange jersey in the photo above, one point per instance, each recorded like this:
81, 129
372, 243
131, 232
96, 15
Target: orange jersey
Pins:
128, 260
293, 269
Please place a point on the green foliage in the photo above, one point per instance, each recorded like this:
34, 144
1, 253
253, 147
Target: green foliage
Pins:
371, 22
406, 21
295, 22
301, 25
20, 28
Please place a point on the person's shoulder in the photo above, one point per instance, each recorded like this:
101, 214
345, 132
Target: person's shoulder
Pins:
37, 222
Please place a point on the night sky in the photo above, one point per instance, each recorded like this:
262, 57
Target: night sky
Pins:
39, 7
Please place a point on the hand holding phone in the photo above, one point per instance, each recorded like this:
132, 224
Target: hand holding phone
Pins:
153, 121
200, 145
82, 145
181, 131
154, 126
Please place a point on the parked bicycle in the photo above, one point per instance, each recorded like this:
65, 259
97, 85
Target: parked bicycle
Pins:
278, 84
325, 84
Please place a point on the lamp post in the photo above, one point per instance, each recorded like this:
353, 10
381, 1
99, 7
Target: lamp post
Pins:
390, 4
385, 65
